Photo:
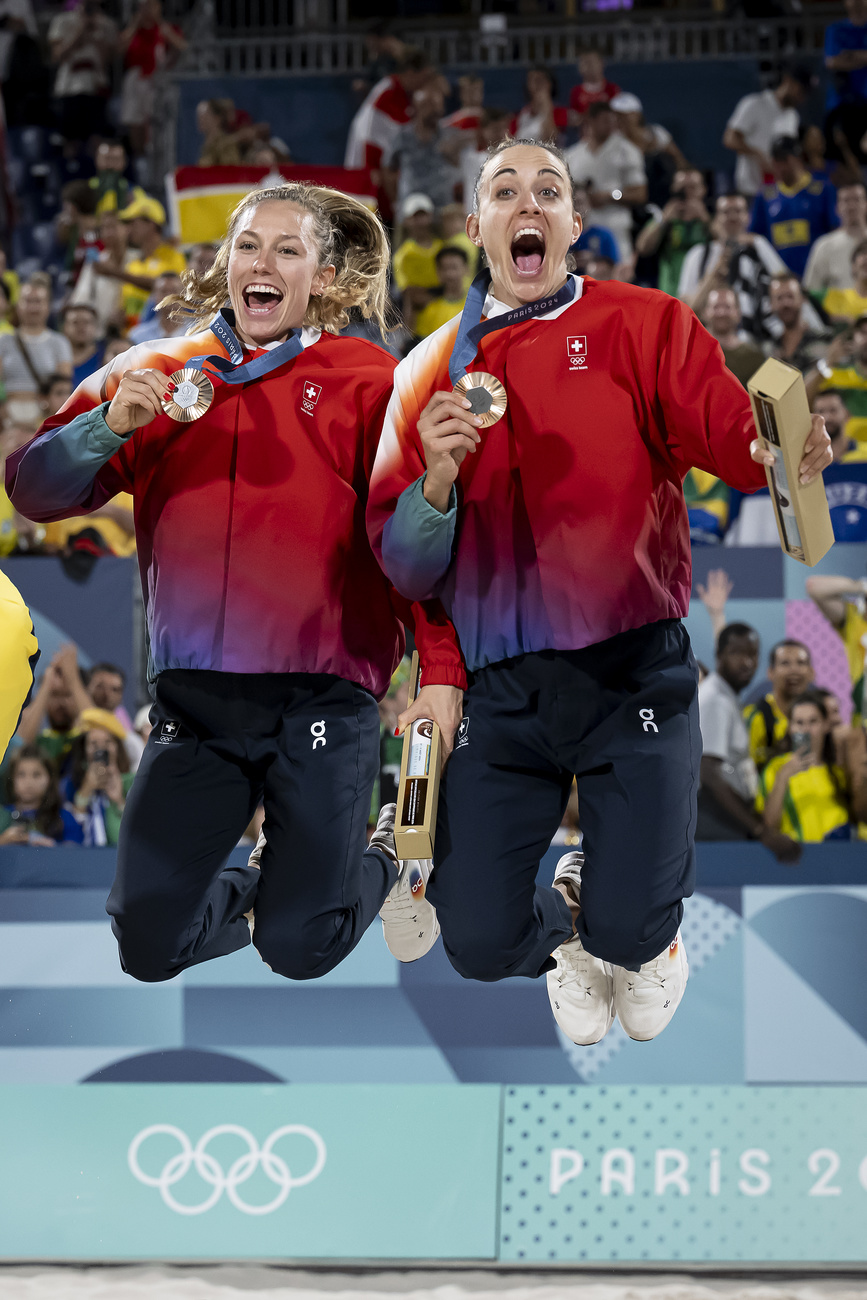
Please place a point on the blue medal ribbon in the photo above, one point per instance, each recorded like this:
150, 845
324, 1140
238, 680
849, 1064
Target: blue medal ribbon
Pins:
231, 371
473, 329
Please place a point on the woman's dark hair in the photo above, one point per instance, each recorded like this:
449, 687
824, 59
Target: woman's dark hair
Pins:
552, 80
78, 761
828, 754
47, 820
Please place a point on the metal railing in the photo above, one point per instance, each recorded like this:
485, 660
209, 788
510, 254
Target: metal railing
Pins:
633, 39
636, 39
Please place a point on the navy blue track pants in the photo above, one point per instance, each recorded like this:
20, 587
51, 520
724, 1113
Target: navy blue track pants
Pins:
306, 744
622, 717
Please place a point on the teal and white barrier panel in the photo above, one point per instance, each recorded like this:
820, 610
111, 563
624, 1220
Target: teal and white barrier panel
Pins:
534, 1175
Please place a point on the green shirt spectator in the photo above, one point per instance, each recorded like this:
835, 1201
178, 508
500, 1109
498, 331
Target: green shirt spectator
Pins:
683, 223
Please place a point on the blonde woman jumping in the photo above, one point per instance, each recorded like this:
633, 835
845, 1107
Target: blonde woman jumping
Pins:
272, 629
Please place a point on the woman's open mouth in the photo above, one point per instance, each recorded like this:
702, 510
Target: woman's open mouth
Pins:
262, 299
528, 250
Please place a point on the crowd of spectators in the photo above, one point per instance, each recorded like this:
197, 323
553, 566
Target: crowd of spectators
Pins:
778, 764
72, 761
121, 265
63, 77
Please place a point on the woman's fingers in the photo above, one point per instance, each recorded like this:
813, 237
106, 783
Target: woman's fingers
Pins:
453, 424
445, 406
444, 706
761, 455
138, 400
445, 395
451, 438
817, 451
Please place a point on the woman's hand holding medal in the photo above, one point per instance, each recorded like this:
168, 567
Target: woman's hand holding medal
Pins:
138, 400
448, 430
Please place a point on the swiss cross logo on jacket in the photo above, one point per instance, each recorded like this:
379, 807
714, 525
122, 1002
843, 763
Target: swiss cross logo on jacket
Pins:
576, 348
310, 396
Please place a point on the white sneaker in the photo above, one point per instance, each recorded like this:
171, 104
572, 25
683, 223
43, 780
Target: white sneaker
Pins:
646, 999
409, 923
581, 989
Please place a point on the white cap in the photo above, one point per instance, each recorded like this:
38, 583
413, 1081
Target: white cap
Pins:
626, 102
415, 203
142, 717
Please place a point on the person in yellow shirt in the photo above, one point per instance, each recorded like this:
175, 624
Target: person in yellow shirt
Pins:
144, 219
850, 304
451, 264
414, 261
6, 326
790, 668
453, 227
19, 652
831, 405
9, 279
113, 521
804, 793
843, 602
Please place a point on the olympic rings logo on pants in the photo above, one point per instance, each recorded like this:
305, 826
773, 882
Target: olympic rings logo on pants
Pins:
210, 1170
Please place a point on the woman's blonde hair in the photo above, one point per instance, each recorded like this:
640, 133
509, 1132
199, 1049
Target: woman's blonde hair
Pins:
349, 237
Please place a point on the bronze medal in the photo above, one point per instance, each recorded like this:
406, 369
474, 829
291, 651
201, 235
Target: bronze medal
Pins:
192, 397
486, 395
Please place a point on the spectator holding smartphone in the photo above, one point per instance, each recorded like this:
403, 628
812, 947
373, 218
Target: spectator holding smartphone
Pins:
790, 670
805, 793
682, 224
34, 813
100, 778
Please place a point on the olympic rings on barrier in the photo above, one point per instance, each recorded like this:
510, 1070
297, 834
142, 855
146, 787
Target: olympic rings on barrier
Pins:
210, 1170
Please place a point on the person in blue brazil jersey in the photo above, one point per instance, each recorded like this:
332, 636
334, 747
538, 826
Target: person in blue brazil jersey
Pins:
797, 209
846, 63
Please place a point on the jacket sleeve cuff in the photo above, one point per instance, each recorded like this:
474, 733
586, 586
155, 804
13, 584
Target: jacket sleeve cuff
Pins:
102, 440
429, 514
451, 674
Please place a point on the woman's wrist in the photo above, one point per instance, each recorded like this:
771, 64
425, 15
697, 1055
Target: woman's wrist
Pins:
436, 494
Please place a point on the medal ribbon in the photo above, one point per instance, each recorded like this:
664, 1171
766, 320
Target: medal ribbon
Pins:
230, 371
473, 329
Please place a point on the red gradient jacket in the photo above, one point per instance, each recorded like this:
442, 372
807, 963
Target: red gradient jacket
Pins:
249, 521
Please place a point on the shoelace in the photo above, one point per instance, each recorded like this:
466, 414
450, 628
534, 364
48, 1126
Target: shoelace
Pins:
651, 973
575, 970
401, 907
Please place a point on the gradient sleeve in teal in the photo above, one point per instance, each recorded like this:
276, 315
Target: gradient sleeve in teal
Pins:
417, 543
55, 475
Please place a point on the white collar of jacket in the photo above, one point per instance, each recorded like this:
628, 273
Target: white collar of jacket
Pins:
308, 338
